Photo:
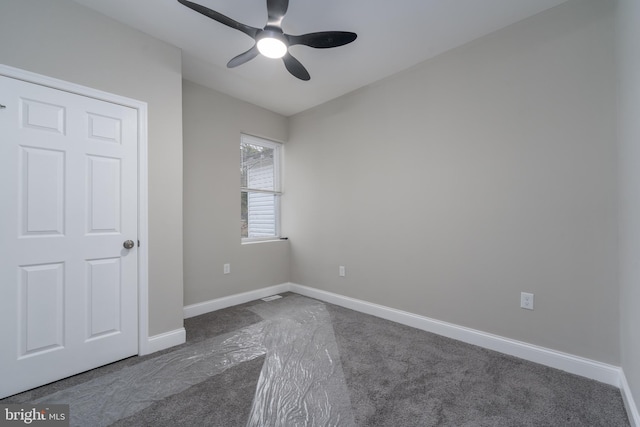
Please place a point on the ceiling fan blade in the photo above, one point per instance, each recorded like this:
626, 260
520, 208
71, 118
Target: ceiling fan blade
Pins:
295, 67
243, 57
276, 10
323, 40
248, 30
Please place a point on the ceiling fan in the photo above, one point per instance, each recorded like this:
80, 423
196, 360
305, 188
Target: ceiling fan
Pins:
271, 41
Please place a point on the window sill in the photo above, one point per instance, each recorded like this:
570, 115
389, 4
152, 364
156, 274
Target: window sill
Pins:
267, 240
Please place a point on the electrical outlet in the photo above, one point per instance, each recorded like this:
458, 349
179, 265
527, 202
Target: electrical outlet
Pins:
341, 271
526, 300
227, 268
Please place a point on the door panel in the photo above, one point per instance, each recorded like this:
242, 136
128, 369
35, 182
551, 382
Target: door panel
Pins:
103, 297
104, 195
41, 307
69, 182
42, 116
41, 191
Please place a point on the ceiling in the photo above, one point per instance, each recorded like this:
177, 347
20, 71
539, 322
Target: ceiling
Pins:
392, 36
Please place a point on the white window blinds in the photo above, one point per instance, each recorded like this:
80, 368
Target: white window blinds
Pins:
260, 187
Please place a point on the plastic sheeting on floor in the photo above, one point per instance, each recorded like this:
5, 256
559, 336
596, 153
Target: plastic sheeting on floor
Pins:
301, 383
106, 399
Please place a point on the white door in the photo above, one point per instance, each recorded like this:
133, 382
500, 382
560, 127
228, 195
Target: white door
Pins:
68, 202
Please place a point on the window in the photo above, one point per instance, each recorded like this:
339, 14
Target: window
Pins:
259, 188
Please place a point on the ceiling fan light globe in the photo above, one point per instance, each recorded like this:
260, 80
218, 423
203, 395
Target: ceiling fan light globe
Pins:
272, 47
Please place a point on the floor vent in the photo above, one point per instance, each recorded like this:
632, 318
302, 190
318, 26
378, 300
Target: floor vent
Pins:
271, 298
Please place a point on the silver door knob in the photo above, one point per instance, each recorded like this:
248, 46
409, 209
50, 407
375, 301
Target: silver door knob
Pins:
128, 244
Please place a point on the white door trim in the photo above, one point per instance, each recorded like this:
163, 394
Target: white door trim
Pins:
143, 227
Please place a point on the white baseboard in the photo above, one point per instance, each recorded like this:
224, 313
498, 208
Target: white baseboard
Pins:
602, 372
577, 365
220, 303
629, 403
164, 340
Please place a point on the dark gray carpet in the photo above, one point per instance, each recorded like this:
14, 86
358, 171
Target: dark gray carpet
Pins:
402, 376
395, 376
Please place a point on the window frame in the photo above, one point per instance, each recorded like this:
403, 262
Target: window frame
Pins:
277, 148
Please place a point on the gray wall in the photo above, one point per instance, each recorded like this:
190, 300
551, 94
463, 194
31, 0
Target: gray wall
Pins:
448, 189
212, 126
628, 43
61, 39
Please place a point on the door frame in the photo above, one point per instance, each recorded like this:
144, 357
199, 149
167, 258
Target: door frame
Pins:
143, 183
